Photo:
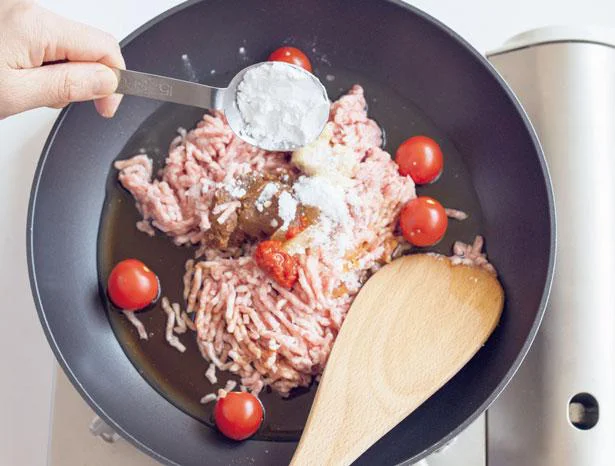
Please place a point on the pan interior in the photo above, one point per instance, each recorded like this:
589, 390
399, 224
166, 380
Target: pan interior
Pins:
180, 377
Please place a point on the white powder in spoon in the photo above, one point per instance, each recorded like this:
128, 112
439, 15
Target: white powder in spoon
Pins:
281, 106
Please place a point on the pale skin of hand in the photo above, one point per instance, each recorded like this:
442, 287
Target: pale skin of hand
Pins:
50, 61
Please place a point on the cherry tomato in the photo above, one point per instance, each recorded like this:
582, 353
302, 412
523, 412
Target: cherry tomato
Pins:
238, 415
421, 158
132, 285
423, 221
277, 263
293, 56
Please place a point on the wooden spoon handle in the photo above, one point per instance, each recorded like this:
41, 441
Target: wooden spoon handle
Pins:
412, 327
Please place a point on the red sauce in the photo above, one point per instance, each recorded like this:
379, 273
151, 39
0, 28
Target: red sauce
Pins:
277, 263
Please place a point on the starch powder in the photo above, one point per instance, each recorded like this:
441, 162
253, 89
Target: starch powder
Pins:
282, 107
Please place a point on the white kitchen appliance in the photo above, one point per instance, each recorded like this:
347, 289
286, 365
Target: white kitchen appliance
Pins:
559, 410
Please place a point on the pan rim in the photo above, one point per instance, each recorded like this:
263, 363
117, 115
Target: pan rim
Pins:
99, 410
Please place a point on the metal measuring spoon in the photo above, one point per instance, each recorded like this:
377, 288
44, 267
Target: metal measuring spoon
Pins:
213, 98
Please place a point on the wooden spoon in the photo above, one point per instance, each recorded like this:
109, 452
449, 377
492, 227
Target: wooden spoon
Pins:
412, 327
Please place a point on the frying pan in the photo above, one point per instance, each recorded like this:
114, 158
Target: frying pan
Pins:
419, 77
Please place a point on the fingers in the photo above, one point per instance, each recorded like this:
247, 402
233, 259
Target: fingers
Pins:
107, 106
31, 36
74, 41
69, 40
58, 85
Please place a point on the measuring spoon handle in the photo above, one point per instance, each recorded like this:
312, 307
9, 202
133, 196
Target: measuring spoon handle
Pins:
169, 89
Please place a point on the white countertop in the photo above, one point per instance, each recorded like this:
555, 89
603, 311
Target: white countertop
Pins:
25, 359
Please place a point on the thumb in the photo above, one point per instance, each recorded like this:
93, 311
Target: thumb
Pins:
59, 84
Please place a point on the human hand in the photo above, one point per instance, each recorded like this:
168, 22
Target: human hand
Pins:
47, 60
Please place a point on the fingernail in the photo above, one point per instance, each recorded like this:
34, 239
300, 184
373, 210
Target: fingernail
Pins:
104, 82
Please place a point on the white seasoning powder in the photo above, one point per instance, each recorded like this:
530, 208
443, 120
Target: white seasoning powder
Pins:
343, 241
281, 106
332, 227
319, 192
268, 191
352, 199
321, 234
287, 209
233, 188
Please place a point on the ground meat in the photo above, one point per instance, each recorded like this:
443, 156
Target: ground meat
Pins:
247, 324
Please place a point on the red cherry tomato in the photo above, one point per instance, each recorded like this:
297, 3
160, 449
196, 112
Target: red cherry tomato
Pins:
277, 263
293, 56
421, 158
238, 415
423, 221
132, 285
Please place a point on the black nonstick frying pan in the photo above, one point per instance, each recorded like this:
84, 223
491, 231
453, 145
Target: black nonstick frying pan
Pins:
419, 78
